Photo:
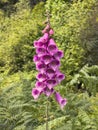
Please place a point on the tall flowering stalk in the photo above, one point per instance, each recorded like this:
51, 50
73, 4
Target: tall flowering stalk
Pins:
47, 60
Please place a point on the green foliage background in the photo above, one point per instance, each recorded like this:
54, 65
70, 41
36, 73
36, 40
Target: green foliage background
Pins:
75, 25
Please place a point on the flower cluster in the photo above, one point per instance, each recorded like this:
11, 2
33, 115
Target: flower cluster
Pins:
47, 60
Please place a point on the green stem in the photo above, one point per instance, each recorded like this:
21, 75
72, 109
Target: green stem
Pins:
48, 16
47, 105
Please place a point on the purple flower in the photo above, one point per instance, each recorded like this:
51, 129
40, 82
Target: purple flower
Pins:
52, 48
40, 51
36, 59
54, 64
46, 58
40, 86
35, 93
40, 66
60, 100
48, 92
59, 54
38, 44
51, 83
60, 77
45, 38
52, 42
35, 44
41, 77
41, 40
50, 73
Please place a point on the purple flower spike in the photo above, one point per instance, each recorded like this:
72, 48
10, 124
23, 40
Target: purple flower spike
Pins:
40, 51
54, 64
40, 86
60, 100
51, 83
35, 93
50, 73
59, 54
41, 77
46, 59
41, 67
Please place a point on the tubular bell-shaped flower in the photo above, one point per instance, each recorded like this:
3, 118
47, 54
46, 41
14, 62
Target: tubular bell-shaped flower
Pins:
52, 48
50, 73
41, 67
54, 64
47, 60
51, 83
40, 86
36, 59
60, 77
48, 92
41, 77
59, 54
60, 100
35, 93
40, 51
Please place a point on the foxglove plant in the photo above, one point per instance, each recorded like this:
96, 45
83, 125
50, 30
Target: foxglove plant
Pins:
47, 60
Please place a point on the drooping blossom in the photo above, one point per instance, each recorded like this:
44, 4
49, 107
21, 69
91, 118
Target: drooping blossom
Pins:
47, 60
60, 100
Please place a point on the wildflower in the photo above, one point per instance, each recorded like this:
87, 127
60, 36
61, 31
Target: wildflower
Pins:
47, 60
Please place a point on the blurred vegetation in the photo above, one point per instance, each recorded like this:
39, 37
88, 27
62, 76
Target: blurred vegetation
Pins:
75, 25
